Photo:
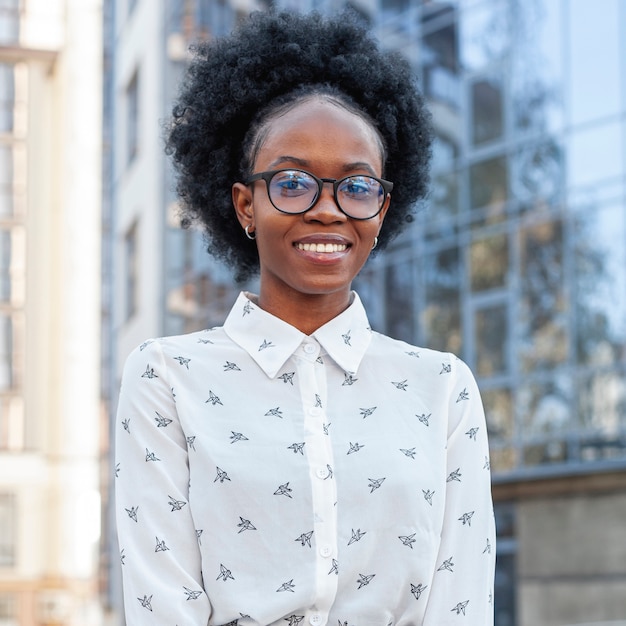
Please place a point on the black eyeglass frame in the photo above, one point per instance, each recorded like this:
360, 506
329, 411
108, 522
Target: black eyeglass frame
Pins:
268, 175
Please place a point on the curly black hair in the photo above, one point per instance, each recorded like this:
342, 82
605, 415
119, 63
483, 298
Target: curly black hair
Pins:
235, 84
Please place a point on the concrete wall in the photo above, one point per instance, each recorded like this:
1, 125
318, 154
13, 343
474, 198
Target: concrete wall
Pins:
572, 559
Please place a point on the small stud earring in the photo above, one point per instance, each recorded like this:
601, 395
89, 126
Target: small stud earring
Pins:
375, 242
248, 235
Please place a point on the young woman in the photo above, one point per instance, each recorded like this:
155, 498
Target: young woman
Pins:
294, 466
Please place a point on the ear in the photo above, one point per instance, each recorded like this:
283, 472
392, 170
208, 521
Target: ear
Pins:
243, 204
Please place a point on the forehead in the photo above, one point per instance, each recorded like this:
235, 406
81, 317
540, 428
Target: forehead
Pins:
315, 127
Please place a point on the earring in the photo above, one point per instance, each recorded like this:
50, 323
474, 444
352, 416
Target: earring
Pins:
248, 235
375, 242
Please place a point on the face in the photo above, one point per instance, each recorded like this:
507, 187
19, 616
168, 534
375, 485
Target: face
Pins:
330, 142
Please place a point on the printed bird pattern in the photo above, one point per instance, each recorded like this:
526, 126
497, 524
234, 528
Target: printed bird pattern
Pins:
259, 468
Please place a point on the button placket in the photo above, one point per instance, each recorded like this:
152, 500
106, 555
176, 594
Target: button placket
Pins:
319, 455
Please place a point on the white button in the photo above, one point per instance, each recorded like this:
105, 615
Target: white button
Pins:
326, 551
309, 348
321, 472
315, 619
315, 411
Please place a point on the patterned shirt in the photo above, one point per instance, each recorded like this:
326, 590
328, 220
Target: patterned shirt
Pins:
269, 477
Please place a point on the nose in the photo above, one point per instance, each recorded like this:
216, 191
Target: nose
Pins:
325, 209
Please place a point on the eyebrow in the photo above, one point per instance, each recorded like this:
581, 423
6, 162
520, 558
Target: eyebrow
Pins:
348, 167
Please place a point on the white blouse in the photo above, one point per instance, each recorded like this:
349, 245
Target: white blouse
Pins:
269, 477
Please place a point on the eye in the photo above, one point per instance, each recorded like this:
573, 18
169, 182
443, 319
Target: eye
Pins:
359, 187
292, 183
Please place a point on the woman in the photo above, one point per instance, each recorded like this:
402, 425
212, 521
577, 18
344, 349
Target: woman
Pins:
293, 466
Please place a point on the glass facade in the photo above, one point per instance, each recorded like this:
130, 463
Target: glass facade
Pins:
13, 86
517, 260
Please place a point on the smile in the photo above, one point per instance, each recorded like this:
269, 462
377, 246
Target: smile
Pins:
321, 247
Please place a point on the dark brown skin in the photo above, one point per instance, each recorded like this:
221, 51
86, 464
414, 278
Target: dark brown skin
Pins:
302, 287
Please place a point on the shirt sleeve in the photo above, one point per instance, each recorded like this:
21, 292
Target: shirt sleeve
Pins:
159, 551
462, 585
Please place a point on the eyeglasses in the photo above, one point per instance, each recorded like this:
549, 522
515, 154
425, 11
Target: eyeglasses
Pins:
296, 191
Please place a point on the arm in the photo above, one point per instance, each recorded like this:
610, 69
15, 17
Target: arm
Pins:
161, 565
462, 585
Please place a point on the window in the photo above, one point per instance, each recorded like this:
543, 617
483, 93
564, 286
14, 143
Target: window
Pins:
8, 514
9, 21
490, 340
6, 352
440, 315
6, 180
399, 303
132, 118
489, 188
5, 265
489, 262
8, 610
487, 111
131, 271
542, 315
7, 97
505, 606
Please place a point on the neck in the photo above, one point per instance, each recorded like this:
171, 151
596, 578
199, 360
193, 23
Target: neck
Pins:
306, 312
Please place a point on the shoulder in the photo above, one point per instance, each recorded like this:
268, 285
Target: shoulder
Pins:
158, 351
446, 367
387, 347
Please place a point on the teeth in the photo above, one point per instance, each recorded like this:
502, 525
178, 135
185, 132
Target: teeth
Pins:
322, 247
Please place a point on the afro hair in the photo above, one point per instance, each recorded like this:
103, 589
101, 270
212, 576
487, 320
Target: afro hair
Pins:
234, 83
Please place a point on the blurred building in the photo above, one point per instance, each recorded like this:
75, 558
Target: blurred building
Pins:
517, 261
50, 197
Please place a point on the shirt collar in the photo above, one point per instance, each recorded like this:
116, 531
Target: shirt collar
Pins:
270, 341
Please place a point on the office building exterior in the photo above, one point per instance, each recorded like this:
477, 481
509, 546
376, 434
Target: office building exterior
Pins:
50, 196
516, 262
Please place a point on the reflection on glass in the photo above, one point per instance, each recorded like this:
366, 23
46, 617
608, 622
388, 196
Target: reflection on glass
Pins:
487, 111
594, 59
444, 190
444, 198
485, 35
602, 411
489, 262
537, 80
489, 188
499, 413
537, 178
491, 340
440, 67
441, 314
596, 154
600, 284
545, 410
543, 311
398, 296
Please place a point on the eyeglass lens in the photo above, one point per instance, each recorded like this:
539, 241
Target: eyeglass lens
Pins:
295, 191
